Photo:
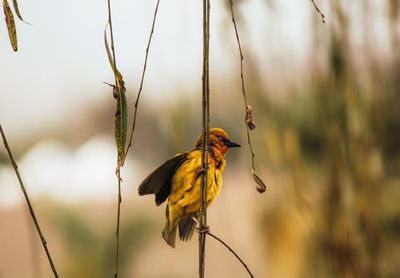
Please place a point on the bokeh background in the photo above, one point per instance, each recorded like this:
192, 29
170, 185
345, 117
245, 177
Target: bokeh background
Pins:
326, 100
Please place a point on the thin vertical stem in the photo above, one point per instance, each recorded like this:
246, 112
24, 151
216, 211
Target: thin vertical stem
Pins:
143, 75
118, 173
31, 211
207, 66
205, 130
118, 222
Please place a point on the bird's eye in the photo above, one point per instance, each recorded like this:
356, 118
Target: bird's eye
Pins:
220, 138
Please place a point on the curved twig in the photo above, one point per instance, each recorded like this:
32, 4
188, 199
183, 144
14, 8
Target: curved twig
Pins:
207, 231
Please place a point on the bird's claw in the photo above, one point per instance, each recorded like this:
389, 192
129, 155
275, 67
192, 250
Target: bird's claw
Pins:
196, 219
203, 230
202, 171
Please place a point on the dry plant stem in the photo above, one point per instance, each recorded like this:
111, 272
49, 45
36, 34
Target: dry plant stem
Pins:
242, 80
31, 211
118, 171
233, 252
205, 130
118, 221
319, 11
36, 269
143, 75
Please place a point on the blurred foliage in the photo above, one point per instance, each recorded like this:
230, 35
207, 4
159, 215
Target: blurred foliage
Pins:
344, 134
89, 248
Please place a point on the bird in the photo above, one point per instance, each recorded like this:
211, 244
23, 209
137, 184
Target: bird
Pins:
179, 180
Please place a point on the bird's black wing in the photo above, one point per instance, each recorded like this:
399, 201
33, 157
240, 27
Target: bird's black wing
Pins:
159, 182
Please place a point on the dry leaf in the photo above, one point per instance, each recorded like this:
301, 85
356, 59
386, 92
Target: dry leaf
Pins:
12, 32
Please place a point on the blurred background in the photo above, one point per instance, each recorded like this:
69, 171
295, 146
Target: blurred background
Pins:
325, 97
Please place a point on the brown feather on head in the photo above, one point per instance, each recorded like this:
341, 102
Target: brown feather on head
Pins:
219, 139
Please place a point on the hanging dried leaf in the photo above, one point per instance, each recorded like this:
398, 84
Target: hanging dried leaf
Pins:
249, 118
12, 32
121, 125
17, 12
121, 115
261, 187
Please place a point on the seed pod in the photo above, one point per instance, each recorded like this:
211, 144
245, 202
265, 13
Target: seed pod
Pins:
249, 120
261, 187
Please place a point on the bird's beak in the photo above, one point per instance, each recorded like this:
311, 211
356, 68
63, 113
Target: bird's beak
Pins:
231, 144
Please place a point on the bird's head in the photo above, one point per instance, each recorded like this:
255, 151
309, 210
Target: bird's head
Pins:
218, 139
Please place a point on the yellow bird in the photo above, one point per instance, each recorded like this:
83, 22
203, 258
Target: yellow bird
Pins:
179, 180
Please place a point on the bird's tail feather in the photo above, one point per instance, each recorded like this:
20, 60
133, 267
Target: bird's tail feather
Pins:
186, 227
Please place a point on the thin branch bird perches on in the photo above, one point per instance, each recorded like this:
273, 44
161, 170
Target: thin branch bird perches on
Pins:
205, 135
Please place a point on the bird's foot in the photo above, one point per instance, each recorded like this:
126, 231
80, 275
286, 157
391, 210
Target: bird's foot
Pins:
203, 230
202, 171
196, 219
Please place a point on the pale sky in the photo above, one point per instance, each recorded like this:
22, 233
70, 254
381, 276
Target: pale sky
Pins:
61, 63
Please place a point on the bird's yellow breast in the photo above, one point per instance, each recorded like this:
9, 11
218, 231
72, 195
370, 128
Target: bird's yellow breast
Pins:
186, 185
